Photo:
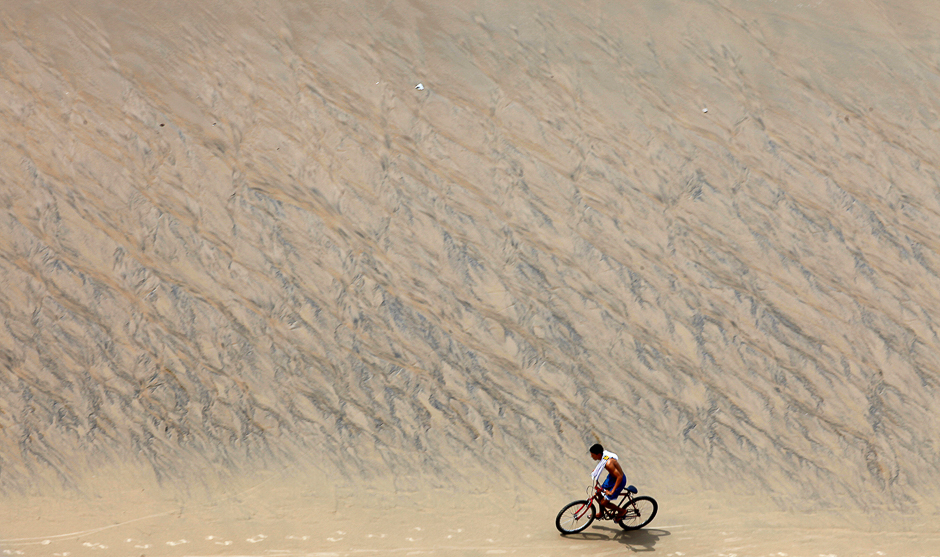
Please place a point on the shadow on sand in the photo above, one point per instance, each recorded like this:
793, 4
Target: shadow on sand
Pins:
636, 540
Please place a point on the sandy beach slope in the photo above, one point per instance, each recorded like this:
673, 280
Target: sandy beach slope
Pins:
258, 286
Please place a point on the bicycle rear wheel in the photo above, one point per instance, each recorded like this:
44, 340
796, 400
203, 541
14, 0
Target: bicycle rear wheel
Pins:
575, 516
640, 512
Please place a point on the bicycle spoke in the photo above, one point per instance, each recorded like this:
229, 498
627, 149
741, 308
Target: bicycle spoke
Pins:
639, 513
575, 517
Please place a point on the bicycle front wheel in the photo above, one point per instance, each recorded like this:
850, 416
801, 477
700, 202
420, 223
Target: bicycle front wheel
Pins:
575, 516
640, 512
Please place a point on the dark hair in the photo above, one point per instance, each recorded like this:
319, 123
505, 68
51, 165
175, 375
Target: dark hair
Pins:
596, 448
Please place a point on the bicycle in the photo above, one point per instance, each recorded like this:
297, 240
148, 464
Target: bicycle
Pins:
578, 515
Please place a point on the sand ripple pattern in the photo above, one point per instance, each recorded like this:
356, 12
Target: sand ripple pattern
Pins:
237, 236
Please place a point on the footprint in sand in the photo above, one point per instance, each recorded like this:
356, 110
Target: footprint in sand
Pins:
86, 544
177, 542
338, 533
138, 545
305, 538
256, 539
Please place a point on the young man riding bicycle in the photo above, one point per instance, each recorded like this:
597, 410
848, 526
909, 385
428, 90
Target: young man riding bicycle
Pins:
615, 481
636, 512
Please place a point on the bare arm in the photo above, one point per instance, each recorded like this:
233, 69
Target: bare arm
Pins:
613, 468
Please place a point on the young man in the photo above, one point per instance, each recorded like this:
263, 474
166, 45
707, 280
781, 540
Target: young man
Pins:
615, 481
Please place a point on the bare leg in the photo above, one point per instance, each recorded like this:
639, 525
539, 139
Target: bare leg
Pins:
610, 506
616, 511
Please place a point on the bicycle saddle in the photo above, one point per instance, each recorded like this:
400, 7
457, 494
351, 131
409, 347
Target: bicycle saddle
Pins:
631, 489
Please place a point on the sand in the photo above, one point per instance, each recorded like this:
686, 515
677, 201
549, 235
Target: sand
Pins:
289, 521
257, 287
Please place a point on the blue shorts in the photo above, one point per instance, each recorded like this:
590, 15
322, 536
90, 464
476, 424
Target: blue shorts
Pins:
609, 483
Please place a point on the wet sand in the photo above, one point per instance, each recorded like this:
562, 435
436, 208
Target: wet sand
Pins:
242, 253
287, 520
